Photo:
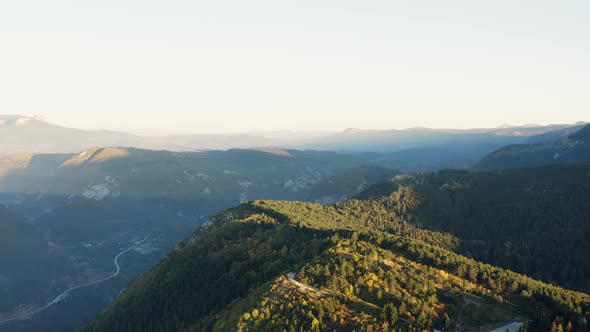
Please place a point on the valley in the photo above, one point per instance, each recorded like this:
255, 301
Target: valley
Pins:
86, 225
63, 295
78, 211
91, 273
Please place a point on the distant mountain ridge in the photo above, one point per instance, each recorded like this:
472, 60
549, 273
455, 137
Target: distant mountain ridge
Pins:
232, 175
555, 135
20, 134
353, 139
575, 147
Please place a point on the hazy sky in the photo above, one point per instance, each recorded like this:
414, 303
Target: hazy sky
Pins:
207, 66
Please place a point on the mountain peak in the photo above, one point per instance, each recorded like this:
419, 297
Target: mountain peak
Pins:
17, 120
96, 155
350, 131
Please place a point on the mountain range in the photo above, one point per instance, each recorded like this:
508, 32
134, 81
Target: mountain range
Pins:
236, 174
414, 149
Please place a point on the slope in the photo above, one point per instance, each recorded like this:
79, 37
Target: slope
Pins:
405, 139
235, 175
349, 182
271, 265
573, 148
83, 208
19, 134
530, 220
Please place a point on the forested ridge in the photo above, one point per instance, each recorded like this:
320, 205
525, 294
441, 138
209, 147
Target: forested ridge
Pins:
534, 221
570, 149
378, 263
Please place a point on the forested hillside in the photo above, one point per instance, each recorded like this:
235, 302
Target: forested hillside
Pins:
378, 264
350, 182
570, 149
534, 221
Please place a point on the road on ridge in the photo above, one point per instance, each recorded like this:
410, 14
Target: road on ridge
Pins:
291, 276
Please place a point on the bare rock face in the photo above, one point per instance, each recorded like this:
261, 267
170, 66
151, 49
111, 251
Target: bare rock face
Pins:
304, 181
108, 188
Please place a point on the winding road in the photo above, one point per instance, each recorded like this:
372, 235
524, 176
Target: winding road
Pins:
63, 295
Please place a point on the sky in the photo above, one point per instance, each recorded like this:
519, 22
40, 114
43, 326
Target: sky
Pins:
226, 66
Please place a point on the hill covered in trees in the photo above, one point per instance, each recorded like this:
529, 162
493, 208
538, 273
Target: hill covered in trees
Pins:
397, 258
350, 182
530, 220
573, 148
